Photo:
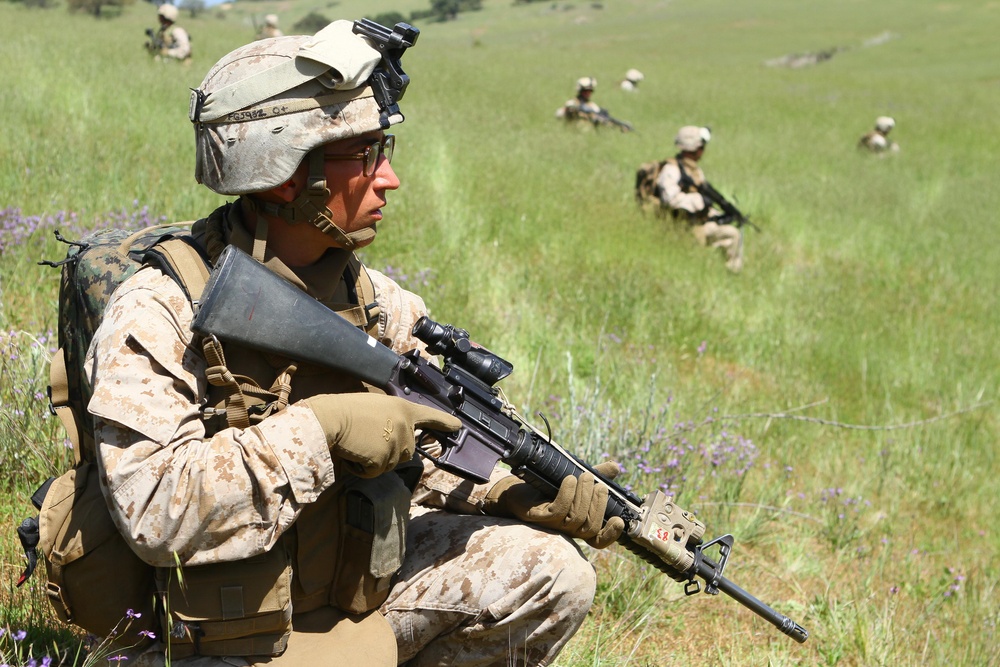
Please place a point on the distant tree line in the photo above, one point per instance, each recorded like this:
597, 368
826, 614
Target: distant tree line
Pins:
95, 7
100, 8
439, 10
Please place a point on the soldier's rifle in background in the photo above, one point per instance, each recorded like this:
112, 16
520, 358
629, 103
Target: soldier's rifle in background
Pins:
155, 43
730, 214
602, 117
247, 304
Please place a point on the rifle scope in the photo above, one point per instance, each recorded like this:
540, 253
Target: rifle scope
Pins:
454, 345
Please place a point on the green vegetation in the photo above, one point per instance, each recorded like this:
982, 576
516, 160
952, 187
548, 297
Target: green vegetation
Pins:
868, 299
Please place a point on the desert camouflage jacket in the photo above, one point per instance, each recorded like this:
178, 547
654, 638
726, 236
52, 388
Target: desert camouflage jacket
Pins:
173, 486
683, 200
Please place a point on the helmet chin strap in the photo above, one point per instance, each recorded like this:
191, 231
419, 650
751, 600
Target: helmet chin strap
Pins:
310, 206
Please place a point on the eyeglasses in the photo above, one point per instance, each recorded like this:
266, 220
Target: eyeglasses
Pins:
370, 155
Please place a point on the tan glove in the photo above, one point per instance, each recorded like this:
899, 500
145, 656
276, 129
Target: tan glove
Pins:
577, 510
374, 432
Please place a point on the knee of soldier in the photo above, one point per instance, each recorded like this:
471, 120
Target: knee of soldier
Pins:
573, 578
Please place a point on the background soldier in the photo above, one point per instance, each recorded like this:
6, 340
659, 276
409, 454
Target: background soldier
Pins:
877, 141
272, 509
631, 81
270, 28
170, 41
677, 189
581, 110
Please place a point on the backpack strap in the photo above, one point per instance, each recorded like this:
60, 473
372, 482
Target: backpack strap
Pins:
185, 261
59, 401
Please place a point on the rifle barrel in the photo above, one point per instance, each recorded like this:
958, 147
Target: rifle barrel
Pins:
772, 616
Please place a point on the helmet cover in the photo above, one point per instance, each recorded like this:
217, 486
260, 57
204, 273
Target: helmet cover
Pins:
884, 123
168, 12
692, 137
634, 75
264, 106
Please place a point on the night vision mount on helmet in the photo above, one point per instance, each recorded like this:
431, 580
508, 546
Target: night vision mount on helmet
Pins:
388, 81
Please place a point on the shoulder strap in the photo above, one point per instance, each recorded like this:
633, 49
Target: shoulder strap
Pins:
363, 311
185, 261
59, 400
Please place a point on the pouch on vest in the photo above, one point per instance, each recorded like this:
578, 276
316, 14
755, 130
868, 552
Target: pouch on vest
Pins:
234, 608
329, 636
94, 578
373, 515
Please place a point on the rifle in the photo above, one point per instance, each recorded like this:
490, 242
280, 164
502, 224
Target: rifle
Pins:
247, 304
602, 117
155, 42
730, 214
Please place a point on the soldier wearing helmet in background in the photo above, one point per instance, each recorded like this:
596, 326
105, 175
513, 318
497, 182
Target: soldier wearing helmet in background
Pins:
251, 508
171, 41
676, 187
630, 83
581, 110
581, 104
270, 28
877, 141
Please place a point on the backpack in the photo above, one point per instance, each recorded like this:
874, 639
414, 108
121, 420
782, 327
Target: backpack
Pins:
74, 530
645, 181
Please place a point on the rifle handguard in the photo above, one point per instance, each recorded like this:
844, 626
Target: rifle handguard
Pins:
573, 512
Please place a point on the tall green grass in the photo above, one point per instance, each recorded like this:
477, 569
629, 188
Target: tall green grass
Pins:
867, 300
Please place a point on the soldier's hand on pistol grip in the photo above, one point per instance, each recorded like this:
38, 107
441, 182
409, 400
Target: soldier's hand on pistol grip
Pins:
372, 433
707, 206
577, 510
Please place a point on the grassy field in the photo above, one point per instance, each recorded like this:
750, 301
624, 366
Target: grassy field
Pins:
833, 406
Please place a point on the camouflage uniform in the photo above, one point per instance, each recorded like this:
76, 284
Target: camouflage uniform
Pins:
271, 543
270, 28
877, 141
472, 589
580, 109
170, 41
176, 43
630, 83
577, 109
689, 205
267, 32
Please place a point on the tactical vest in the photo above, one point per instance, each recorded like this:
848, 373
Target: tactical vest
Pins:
342, 550
166, 37
698, 178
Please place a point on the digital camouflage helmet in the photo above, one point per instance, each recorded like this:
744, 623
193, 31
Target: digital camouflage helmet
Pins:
169, 12
263, 108
884, 123
692, 137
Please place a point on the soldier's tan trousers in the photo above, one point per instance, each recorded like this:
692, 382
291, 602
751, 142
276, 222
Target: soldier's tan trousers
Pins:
473, 591
726, 237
